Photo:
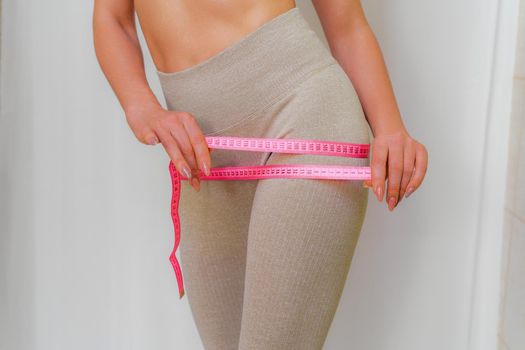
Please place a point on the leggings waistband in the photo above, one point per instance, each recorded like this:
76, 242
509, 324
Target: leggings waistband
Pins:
248, 76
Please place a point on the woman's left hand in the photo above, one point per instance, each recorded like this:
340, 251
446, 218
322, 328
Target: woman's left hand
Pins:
400, 159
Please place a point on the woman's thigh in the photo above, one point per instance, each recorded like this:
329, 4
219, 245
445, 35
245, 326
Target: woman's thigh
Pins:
214, 225
303, 233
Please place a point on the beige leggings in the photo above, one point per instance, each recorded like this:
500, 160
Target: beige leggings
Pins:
265, 261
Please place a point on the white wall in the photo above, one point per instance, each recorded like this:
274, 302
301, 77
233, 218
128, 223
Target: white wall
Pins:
85, 226
424, 275
512, 321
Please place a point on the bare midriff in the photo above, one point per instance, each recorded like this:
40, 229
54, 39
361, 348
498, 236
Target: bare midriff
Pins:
182, 33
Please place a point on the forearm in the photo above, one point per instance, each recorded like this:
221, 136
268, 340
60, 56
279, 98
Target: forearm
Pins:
120, 57
359, 54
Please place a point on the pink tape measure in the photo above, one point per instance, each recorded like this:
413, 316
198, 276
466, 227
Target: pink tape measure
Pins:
291, 171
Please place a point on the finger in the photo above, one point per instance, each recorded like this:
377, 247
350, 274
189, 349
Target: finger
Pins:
179, 134
181, 137
395, 172
149, 137
378, 167
172, 149
408, 167
420, 169
367, 183
199, 144
146, 135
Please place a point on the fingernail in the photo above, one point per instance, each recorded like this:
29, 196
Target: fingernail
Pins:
391, 203
409, 192
186, 172
195, 183
378, 193
153, 141
206, 170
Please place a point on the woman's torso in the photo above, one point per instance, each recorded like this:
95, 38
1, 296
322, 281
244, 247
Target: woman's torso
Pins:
182, 33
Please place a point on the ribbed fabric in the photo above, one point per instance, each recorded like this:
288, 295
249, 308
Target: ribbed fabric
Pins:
265, 261
291, 52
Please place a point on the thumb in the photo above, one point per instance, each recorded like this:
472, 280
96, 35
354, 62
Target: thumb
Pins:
149, 137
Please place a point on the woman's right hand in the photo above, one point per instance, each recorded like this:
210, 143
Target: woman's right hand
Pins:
180, 135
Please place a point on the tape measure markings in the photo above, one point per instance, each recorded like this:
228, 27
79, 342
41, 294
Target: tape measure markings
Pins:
291, 171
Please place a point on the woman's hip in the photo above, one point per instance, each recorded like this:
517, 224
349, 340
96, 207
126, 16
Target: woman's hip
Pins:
250, 76
280, 81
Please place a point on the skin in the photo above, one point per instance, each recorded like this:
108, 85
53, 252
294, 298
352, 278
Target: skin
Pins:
214, 25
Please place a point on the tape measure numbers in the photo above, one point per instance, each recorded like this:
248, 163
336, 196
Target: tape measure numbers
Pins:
291, 171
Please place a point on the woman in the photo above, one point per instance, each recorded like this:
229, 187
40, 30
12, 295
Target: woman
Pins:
265, 262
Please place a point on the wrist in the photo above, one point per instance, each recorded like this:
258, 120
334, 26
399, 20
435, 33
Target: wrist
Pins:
139, 109
390, 128
390, 132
